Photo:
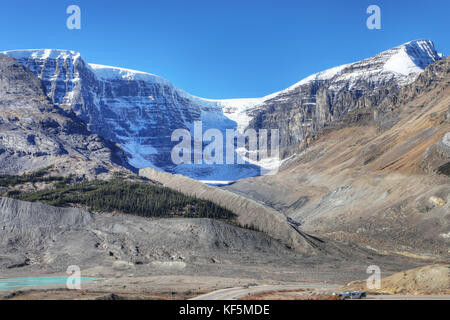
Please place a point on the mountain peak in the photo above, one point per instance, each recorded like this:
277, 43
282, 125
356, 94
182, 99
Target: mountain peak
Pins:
412, 57
423, 44
422, 52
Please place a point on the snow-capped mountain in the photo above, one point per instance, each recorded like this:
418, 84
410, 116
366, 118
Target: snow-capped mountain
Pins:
135, 109
36, 134
140, 111
328, 96
400, 65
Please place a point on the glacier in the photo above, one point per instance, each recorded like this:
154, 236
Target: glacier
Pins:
139, 110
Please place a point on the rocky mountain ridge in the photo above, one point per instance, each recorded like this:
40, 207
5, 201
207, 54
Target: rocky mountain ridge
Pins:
322, 99
139, 111
367, 181
34, 133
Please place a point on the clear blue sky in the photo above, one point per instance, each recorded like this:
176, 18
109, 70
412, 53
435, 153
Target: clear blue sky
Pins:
224, 49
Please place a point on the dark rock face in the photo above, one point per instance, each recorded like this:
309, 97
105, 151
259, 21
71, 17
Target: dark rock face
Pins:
34, 133
436, 74
330, 96
137, 110
140, 111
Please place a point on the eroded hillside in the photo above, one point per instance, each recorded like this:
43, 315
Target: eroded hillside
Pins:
379, 177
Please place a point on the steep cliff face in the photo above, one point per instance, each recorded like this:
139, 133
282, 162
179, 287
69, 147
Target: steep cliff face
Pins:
143, 110
328, 96
34, 133
140, 110
135, 109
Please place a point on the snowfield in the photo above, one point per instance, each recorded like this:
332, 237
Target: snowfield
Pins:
139, 110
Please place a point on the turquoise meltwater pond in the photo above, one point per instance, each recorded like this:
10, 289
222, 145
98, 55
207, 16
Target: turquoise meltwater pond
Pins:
7, 284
